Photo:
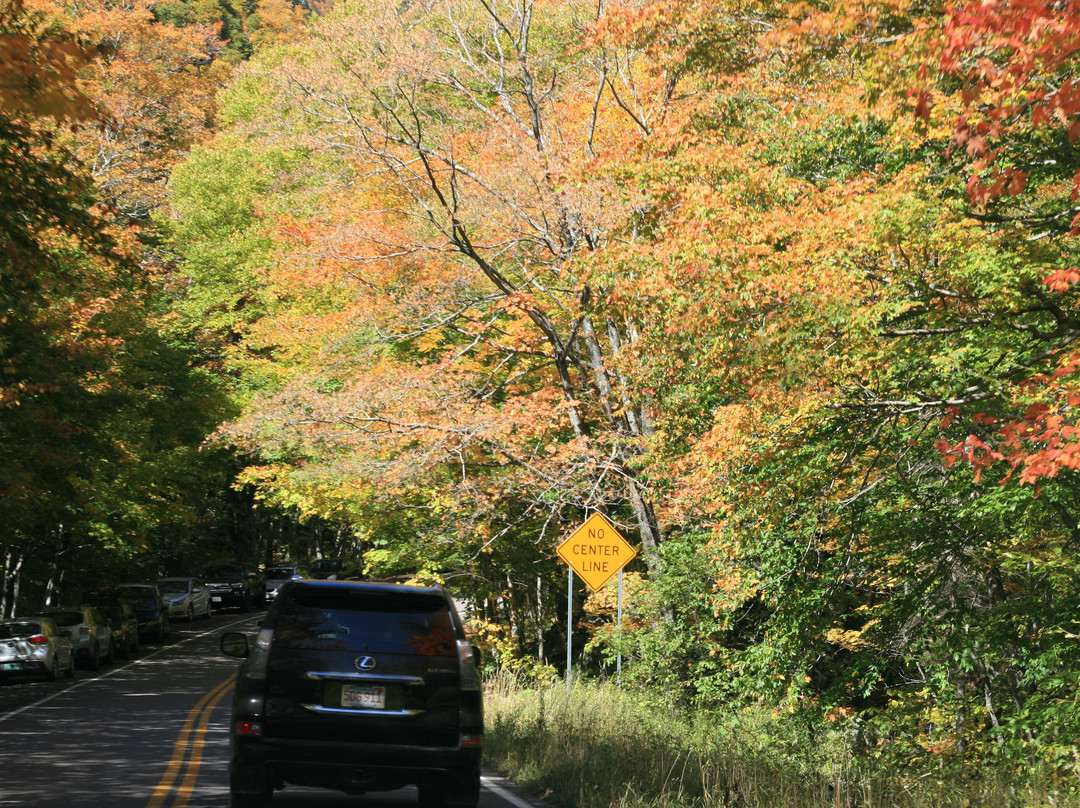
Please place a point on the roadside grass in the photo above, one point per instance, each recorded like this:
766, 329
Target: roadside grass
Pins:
597, 746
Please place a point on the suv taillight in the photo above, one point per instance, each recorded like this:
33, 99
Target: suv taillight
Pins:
38, 639
85, 630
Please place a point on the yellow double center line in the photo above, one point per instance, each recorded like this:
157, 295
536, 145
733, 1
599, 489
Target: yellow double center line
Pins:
188, 752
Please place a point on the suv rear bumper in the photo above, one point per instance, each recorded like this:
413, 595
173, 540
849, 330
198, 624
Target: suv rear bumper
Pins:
353, 768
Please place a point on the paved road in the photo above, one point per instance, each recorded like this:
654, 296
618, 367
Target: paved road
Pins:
151, 733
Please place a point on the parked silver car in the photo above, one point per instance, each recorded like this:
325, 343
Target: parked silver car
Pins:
279, 574
35, 646
188, 598
86, 628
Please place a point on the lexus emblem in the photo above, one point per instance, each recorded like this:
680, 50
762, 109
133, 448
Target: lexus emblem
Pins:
364, 663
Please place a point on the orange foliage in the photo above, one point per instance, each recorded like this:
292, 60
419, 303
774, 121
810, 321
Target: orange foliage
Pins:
39, 65
154, 87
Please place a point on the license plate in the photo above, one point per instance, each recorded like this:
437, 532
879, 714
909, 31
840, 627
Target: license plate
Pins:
12, 666
368, 698
216, 600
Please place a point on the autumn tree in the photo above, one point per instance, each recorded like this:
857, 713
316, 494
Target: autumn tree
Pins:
753, 280
853, 278
466, 229
101, 417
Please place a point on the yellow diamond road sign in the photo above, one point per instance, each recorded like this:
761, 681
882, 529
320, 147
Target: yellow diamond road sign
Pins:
596, 551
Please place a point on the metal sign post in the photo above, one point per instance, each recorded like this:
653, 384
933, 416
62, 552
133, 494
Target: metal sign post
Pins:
618, 636
569, 623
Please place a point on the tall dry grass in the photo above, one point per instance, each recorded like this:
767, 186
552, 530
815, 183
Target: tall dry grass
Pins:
598, 746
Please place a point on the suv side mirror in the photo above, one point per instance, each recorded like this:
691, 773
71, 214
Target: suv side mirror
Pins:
234, 644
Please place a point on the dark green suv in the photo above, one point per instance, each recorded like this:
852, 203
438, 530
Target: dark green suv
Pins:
357, 687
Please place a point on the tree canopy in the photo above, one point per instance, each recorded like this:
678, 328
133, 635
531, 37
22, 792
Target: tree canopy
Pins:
787, 291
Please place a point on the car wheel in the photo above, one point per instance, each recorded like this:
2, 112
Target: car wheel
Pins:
462, 790
134, 645
248, 800
70, 672
190, 614
259, 799
430, 795
110, 657
209, 610
53, 673
93, 661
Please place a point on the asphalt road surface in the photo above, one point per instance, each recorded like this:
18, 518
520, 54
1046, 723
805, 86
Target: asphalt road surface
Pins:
152, 733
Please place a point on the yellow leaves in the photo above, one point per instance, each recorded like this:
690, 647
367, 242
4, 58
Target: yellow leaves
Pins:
277, 21
852, 639
429, 342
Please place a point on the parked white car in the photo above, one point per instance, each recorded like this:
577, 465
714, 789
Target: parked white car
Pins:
88, 631
188, 598
35, 646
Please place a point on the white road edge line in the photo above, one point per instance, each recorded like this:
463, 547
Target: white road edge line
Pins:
139, 661
511, 798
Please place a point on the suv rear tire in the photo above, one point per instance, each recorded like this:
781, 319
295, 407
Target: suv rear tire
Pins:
248, 800
458, 790
238, 799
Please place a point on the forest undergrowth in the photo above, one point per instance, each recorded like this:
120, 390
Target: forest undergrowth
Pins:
596, 745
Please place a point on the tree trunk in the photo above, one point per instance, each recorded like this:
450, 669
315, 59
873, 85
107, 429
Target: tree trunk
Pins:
13, 563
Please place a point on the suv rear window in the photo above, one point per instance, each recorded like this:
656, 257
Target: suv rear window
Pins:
110, 608
331, 621
67, 618
10, 631
139, 598
223, 571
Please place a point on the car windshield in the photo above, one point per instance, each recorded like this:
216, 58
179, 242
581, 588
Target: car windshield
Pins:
108, 609
326, 565
329, 621
67, 618
173, 587
10, 631
139, 598
277, 573
223, 571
